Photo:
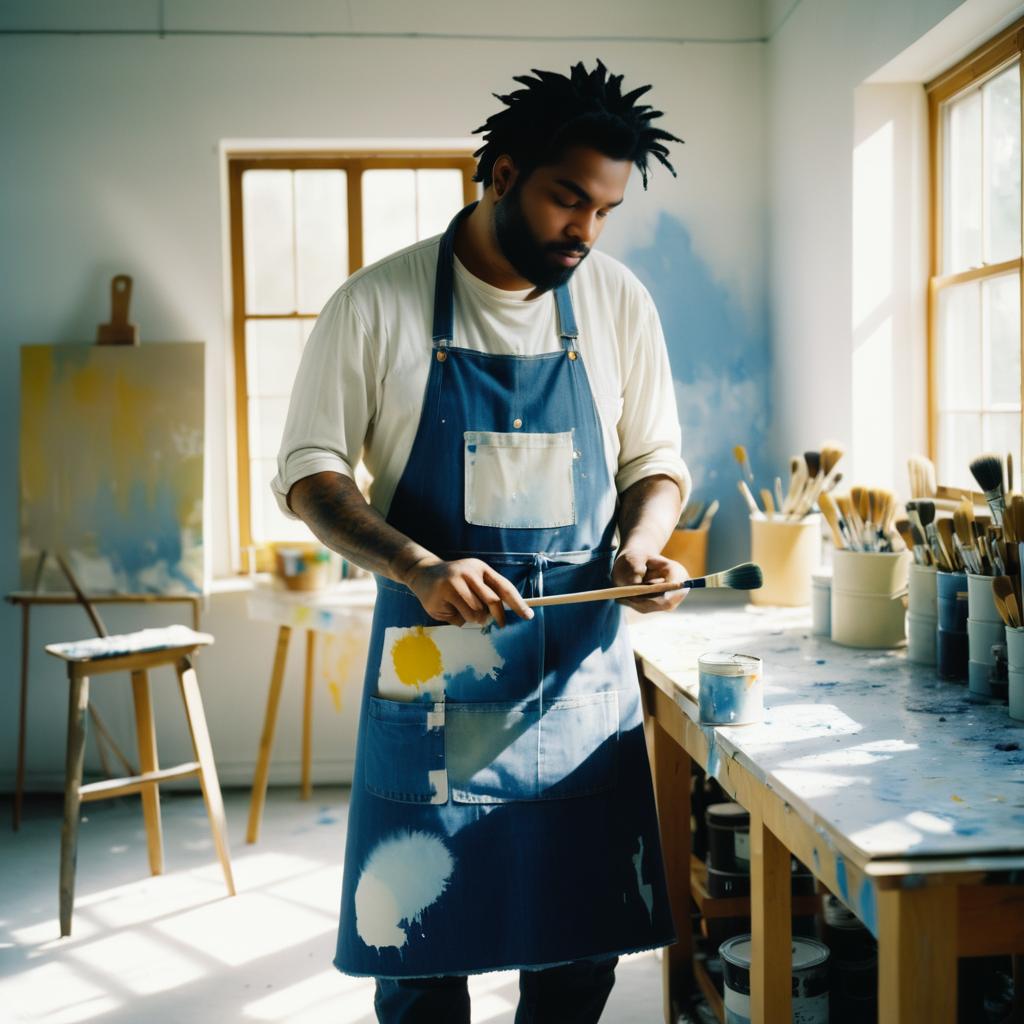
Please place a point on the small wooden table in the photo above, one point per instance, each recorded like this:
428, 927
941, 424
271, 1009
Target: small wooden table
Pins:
344, 606
26, 600
904, 797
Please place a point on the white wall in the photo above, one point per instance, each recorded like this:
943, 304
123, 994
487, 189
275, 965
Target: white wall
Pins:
848, 264
111, 162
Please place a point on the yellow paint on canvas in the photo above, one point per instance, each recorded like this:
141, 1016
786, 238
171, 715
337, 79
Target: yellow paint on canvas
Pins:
416, 658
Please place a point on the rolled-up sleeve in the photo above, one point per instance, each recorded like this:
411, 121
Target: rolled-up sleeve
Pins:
649, 434
333, 400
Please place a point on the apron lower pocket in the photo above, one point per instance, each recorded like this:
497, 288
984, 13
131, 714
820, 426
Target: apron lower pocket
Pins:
404, 751
501, 752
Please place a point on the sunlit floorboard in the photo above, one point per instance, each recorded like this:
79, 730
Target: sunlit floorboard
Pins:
174, 948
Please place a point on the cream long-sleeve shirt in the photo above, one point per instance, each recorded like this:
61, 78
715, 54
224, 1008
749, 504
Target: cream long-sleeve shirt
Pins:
360, 384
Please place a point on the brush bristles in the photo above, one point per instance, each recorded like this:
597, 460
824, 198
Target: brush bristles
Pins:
747, 576
925, 511
988, 471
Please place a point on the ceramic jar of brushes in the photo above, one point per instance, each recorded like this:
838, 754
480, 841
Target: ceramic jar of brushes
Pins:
788, 551
951, 650
985, 630
868, 588
922, 614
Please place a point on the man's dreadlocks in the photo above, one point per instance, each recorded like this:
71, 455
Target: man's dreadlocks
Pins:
554, 112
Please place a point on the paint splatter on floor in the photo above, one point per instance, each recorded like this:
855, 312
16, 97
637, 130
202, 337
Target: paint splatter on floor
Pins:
404, 875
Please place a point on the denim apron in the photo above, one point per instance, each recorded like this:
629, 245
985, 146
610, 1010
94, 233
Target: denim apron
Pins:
502, 814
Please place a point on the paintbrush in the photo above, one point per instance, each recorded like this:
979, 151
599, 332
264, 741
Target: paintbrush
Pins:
988, 471
780, 498
739, 453
747, 576
1005, 594
922, 553
709, 514
797, 479
926, 514
768, 501
755, 512
831, 514
945, 530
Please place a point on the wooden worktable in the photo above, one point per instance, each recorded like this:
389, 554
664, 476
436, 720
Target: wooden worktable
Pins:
901, 793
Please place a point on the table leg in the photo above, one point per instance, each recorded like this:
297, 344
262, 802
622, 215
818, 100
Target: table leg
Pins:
19, 782
307, 717
771, 968
259, 782
672, 788
917, 955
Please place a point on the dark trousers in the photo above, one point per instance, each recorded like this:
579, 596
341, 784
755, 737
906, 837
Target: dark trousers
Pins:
571, 994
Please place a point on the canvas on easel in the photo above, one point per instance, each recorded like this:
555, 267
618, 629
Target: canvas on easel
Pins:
111, 465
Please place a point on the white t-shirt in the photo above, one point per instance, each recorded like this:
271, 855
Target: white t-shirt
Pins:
360, 384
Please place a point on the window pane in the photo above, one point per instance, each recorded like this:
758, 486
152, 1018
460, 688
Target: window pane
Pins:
269, 241
1002, 165
959, 442
438, 199
321, 236
962, 226
272, 352
958, 347
1002, 435
266, 426
389, 213
1001, 319
268, 521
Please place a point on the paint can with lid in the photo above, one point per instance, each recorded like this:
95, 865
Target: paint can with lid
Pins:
730, 689
810, 980
728, 838
854, 965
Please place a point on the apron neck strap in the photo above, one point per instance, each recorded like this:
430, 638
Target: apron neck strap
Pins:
444, 302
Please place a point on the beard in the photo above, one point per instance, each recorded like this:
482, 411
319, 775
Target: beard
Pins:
531, 258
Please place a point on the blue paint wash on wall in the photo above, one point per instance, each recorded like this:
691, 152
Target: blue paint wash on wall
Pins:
721, 364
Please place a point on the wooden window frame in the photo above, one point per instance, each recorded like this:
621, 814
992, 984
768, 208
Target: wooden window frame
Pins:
983, 63
354, 163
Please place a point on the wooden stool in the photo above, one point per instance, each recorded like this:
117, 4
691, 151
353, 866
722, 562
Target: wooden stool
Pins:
136, 653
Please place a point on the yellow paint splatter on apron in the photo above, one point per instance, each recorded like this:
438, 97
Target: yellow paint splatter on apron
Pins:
416, 658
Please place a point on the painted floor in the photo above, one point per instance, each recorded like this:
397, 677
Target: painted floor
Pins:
173, 948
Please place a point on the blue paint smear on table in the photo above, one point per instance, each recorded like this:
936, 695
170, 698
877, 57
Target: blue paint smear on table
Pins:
866, 909
721, 362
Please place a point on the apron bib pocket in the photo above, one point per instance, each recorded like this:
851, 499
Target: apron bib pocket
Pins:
405, 751
519, 481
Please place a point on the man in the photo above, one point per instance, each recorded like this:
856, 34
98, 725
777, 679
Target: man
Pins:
510, 392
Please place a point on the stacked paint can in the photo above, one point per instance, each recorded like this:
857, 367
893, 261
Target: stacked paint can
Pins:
810, 980
853, 965
728, 865
922, 614
951, 651
985, 630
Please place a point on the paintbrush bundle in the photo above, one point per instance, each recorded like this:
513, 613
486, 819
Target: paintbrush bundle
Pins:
697, 515
864, 519
810, 477
1006, 584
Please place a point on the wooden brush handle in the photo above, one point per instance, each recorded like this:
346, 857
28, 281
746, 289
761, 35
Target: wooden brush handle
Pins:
608, 594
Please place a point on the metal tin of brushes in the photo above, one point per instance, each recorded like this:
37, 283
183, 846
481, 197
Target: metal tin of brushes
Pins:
730, 689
